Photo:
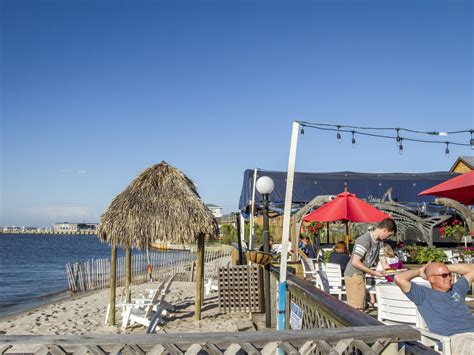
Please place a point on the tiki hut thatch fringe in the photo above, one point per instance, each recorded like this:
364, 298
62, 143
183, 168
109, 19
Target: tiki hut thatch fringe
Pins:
160, 204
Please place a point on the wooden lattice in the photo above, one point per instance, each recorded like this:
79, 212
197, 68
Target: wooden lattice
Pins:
241, 288
356, 340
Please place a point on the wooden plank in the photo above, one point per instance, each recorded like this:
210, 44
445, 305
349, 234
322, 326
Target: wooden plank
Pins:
333, 335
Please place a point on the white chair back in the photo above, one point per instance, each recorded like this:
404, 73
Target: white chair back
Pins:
329, 279
332, 273
394, 306
309, 267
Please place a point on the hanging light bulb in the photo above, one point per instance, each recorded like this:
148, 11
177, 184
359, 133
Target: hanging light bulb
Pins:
446, 151
400, 147
302, 131
338, 135
398, 137
353, 140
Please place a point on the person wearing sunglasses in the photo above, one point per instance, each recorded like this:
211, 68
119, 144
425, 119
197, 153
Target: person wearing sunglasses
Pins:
443, 306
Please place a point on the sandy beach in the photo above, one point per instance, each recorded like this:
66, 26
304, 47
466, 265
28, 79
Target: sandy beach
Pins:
85, 314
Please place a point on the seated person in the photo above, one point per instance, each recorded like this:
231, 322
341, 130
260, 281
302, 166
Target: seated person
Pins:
392, 260
308, 248
340, 256
300, 242
443, 305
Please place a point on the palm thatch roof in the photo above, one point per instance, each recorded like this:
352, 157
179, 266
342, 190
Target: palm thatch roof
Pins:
160, 204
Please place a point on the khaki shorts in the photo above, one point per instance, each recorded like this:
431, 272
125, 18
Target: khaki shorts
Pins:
462, 344
355, 288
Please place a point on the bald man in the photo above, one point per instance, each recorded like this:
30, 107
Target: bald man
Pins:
443, 306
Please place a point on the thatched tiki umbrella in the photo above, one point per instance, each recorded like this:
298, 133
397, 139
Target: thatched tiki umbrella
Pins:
160, 204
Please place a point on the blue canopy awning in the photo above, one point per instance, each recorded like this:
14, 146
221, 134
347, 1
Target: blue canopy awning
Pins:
367, 186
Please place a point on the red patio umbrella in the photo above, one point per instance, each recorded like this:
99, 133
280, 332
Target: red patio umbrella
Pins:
346, 207
460, 188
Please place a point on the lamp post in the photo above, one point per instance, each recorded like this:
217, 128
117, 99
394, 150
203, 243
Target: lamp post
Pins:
265, 187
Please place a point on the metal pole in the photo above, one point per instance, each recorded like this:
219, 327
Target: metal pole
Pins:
286, 226
252, 210
266, 249
239, 239
242, 228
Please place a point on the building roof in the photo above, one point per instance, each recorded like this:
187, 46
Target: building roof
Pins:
212, 206
467, 160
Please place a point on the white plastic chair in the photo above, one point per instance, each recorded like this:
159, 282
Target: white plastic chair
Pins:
394, 307
329, 279
309, 267
148, 313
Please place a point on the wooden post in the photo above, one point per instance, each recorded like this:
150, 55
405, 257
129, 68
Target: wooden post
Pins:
128, 273
239, 238
113, 269
199, 277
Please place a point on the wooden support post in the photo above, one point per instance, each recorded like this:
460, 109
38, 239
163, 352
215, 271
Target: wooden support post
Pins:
113, 282
128, 273
199, 277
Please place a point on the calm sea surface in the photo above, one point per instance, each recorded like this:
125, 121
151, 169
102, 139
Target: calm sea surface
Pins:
33, 267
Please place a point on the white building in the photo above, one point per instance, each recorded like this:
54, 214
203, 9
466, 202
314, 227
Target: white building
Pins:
65, 227
216, 210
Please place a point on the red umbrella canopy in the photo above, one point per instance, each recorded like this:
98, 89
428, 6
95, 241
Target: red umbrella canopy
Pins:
347, 207
460, 188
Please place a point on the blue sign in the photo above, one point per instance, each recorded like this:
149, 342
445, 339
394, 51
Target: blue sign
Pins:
296, 316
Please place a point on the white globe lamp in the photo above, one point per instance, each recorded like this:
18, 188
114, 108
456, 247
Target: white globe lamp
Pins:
265, 185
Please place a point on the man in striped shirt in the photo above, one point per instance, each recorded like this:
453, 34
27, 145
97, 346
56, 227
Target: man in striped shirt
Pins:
368, 250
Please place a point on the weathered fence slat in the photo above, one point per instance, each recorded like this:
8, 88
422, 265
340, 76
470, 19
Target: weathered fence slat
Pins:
95, 274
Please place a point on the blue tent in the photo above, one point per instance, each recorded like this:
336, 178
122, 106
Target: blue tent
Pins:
367, 186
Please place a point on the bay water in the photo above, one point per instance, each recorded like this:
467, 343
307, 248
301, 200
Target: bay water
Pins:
33, 267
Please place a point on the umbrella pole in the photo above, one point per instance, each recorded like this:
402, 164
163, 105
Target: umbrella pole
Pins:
113, 270
199, 277
128, 273
347, 236
327, 232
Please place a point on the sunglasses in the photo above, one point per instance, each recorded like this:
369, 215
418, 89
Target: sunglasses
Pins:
444, 275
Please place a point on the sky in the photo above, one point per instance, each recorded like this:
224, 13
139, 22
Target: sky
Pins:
94, 92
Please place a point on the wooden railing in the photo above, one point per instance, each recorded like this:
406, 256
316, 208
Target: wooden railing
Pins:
364, 340
95, 274
323, 311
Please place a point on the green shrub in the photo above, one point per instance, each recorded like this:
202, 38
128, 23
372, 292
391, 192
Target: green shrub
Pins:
326, 255
229, 234
423, 255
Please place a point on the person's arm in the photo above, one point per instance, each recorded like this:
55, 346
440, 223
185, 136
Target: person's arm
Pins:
356, 261
383, 261
403, 279
466, 270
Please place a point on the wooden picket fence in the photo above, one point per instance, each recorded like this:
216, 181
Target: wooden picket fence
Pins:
95, 274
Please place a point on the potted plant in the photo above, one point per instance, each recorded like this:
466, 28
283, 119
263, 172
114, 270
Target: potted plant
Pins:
455, 229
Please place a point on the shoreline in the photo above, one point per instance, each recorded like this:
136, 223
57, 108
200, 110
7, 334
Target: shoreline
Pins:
36, 303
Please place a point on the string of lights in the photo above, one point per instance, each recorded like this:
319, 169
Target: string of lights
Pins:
362, 131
